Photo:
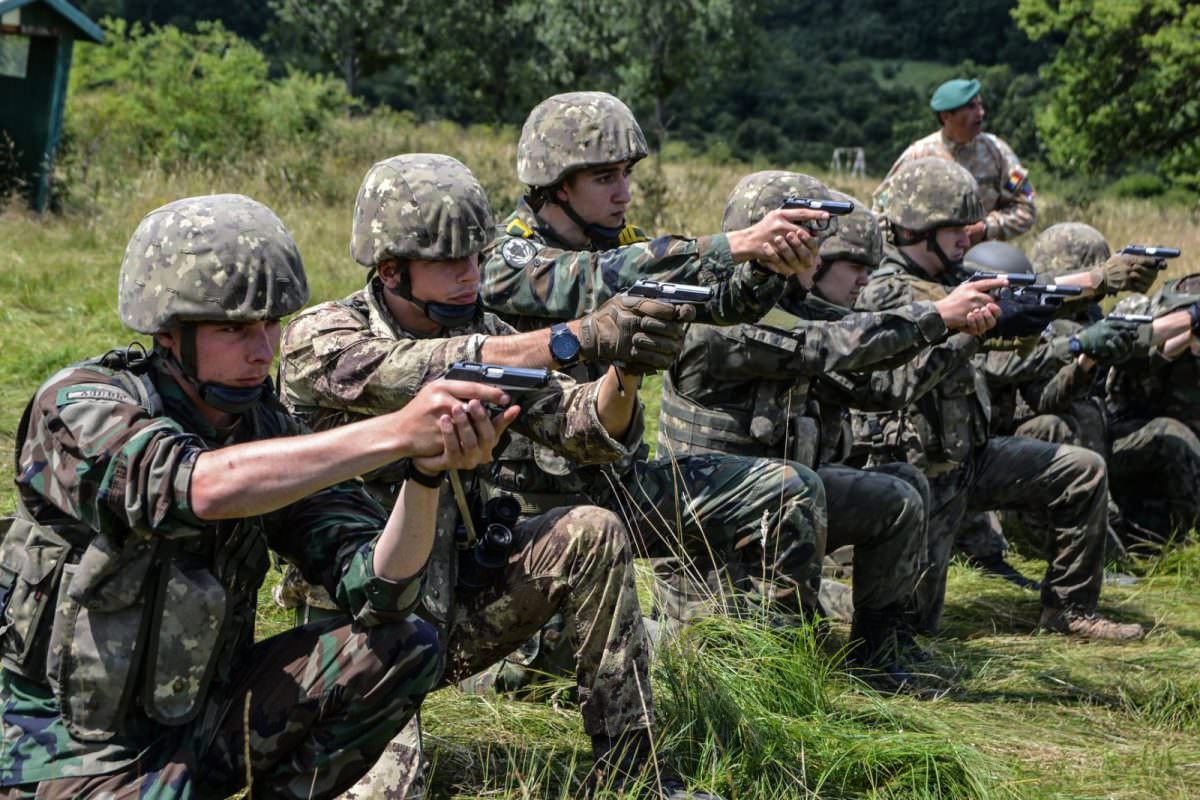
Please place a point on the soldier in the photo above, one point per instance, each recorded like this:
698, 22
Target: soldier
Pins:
151, 488
419, 223
1004, 188
757, 390
1154, 411
563, 252
945, 433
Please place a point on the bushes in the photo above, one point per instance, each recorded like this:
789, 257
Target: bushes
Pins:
164, 96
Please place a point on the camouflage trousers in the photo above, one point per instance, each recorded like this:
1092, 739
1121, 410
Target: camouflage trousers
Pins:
318, 704
1154, 477
722, 528
881, 511
575, 561
982, 533
1062, 487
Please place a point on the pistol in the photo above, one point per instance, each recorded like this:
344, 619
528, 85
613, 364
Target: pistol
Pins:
1014, 278
1045, 294
1152, 251
832, 206
1136, 319
674, 293
510, 379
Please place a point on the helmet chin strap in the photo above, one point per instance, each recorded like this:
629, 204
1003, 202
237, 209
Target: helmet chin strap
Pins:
448, 315
904, 239
230, 399
603, 237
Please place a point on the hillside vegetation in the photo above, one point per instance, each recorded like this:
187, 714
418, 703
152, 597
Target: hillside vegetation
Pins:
750, 712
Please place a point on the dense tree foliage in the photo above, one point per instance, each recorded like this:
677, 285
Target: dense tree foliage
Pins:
767, 79
1124, 85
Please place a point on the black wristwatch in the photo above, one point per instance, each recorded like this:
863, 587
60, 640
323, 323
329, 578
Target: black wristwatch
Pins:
564, 345
428, 481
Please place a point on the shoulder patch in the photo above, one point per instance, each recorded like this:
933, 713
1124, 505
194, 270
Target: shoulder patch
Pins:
519, 228
631, 234
518, 253
92, 394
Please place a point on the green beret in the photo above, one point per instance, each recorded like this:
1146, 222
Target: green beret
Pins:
954, 94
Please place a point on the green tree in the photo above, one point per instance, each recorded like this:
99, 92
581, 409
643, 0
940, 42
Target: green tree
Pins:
356, 37
1124, 84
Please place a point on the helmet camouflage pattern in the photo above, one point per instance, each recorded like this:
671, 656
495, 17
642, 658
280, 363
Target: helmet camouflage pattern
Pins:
931, 193
997, 257
1069, 247
1176, 294
215, 258
759, 193
858, 237
573, 131
419, 205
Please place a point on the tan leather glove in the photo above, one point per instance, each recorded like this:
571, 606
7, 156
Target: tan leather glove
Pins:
1128, 273
640, 334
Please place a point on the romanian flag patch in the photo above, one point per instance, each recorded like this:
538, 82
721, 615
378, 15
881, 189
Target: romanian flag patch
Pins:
1018, 181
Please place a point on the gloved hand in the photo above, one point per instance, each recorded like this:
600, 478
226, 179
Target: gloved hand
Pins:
1127, 273
641, 334
1020, 318
1109, 341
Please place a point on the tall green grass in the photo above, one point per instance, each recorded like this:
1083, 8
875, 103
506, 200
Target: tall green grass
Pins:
744, 710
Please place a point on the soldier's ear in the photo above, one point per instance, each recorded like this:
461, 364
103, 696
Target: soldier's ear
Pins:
165, 339
387, 270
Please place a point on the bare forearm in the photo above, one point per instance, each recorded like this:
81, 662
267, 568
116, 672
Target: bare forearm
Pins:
407, 539
530, 349
616, 401
260, 477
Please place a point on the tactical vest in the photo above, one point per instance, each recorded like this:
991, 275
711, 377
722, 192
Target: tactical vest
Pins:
127, 622
942, 429
776, 418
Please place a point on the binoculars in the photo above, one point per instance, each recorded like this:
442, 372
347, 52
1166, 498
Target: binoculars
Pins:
481, 563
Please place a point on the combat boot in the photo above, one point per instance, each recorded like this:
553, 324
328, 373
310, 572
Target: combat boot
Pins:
882, 652
626, 760
995, 566
1088, 625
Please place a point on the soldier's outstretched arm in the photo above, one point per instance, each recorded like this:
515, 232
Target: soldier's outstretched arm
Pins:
255, 478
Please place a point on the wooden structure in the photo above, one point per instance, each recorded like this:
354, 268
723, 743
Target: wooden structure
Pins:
36, 38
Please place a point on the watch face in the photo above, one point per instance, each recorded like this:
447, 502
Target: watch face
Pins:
563, 345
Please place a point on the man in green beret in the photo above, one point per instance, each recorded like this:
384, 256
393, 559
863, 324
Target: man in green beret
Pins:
1004, 184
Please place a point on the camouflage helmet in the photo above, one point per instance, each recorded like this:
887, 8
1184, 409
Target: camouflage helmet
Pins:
1069, 247
931, 193
422, 206
858, 237
221, 257
1176, 294
573, 131
997, 257
759, 193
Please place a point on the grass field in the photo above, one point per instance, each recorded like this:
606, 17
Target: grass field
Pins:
749, 712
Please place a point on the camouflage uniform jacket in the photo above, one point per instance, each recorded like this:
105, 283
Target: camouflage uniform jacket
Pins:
126, 614
1004, 187
949, 417
1046, 379
348, 360
532, 278
747, 388
541, 279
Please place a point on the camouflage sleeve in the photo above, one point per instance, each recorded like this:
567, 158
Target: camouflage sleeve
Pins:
895, 388
1070, 383
330, 536
1009, 367
564, 418
94, 453
1015, 212
566, 284
745, 296
331, 359
855, 342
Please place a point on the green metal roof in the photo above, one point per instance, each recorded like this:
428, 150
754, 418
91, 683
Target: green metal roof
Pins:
69, 12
